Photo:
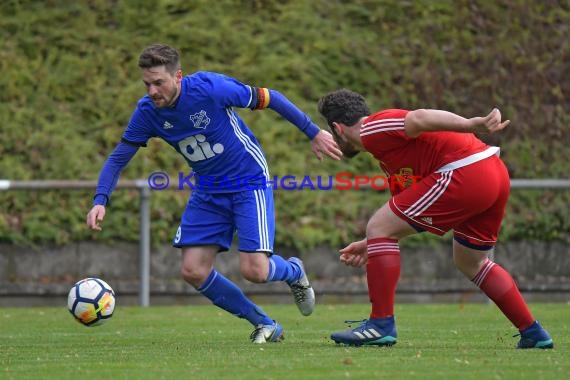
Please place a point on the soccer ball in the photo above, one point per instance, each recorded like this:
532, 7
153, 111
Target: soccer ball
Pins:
91, 301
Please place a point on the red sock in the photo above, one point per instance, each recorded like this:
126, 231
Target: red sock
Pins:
499, 286
382, 273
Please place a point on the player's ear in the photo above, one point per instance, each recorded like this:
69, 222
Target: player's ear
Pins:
178, 75
336, 129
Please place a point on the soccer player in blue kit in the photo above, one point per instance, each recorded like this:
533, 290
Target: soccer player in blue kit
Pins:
194, 114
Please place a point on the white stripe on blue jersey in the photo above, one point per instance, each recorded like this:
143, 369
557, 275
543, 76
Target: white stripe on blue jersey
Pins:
262, 220
250, 147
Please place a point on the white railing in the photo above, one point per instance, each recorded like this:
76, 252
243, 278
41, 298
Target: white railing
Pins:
144, 207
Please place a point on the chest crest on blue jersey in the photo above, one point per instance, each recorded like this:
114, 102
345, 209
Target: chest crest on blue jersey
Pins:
200, 120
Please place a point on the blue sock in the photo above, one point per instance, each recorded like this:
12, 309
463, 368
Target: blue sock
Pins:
282, 270
226, 295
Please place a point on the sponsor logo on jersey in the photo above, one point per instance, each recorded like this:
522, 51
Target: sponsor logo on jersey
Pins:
197, 148
200, 120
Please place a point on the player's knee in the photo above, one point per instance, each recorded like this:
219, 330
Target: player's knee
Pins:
254, 271
254, 274
385, 224
377, 228
254, 267
195, 276
462, 265
469, 263
468, 268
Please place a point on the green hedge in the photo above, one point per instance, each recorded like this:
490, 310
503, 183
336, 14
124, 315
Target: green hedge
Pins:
70, 82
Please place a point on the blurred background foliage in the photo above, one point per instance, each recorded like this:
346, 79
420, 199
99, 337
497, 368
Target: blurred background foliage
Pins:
70, 82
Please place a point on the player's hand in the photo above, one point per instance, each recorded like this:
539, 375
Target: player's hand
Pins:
95, 217
490, 123
355, 254
323, 144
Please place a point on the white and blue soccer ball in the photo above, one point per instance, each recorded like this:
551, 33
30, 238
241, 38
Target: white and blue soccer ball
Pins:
91, 301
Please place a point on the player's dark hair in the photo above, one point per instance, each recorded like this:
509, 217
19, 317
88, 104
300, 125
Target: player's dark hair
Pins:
346, 107
343, 106
159, 55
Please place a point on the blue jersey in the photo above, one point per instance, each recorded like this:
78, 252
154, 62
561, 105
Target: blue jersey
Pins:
204, 128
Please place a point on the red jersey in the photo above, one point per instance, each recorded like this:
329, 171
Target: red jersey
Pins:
383, 135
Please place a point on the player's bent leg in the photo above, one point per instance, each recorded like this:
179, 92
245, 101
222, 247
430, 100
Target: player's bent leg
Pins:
225, 294
382, 273
500, 287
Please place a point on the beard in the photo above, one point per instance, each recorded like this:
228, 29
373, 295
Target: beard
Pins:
168, 101
348, 150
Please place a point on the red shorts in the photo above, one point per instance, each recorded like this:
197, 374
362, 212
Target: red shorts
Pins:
470, 200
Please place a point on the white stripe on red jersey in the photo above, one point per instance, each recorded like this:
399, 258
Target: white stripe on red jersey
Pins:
383, 125
431, 196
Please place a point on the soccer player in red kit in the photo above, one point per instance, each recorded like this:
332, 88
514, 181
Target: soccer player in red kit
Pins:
464, 187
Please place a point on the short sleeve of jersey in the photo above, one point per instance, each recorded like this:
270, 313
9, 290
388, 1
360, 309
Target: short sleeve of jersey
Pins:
138, 130
384, 130
225, 91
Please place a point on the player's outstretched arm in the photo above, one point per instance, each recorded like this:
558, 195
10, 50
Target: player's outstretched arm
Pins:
489, 124
426, 120
322, 142
108, 178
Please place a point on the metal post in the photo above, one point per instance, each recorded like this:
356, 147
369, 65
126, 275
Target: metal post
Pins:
144, 247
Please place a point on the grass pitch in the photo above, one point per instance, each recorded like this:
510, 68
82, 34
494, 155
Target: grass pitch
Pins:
471, 341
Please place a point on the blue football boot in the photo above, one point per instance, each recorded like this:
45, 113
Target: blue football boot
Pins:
535, 337
371, 332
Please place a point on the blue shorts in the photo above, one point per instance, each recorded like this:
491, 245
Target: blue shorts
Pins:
213, 219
